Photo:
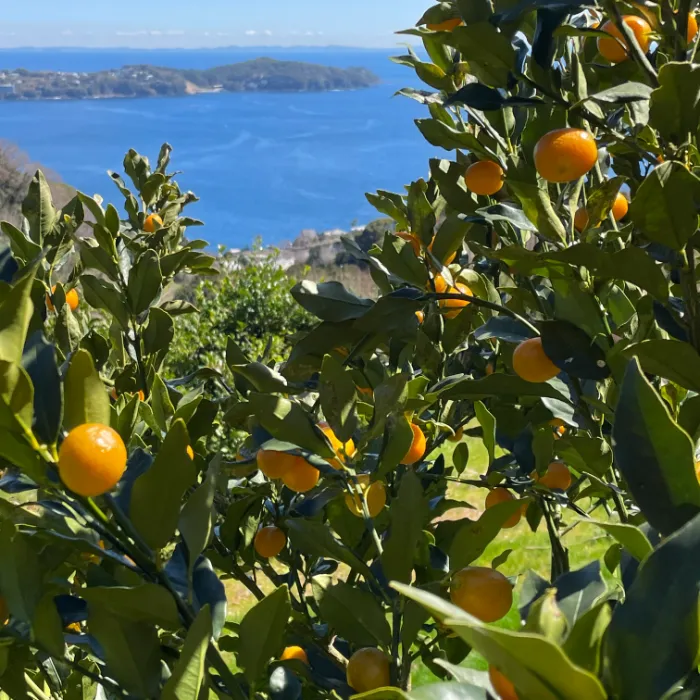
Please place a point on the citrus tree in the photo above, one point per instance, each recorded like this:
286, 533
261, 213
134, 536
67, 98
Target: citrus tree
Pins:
539, 295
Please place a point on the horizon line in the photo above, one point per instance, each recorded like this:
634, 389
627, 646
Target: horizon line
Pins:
226, 47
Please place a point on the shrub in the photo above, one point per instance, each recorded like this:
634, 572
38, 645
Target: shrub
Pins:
572, 356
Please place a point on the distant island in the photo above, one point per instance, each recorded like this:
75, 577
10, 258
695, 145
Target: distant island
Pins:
259, 75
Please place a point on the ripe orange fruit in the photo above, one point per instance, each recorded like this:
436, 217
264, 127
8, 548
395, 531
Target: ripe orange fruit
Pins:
564, 155
490, 369
503, 687
269, 541
368, 669
301, 477
580, 219
375, 495
152, 223
72, 299
190, 452
295, 653
615, 48
417, 449
92, 459
620, 207
692, 28
559, 426
455, 305
447, 26
410, 238
420, 316
484, 178
459, 433
697, 470
274, 464
482, 592
500, 495
532, 364
342, 450
141, 395
557, 476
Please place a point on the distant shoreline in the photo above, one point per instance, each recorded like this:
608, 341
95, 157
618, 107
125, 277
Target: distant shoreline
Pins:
142, 81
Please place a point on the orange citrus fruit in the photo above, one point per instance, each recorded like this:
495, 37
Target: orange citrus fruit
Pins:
417, 449
557, 476
410, 238
269, 541
72, 299
274, 464
615, 48
564, 155
190, 452
532, 364
420, 316
92, 459
692, 28
619, 209
484, 178
459, 433
447, 26
503, 687
482, 592
368, 669
375, 496
301, 477
342, 450
559, 426
580, 219
697, 470
501, 495
455, 306
152, 223
294, 653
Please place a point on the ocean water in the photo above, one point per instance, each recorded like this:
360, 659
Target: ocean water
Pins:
264, 165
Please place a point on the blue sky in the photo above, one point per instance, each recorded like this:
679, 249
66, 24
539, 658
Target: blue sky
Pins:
188, 23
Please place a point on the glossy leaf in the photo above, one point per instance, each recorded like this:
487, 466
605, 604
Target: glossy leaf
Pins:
672, 359
330, 301
573, 351
629, 536
39, 360
85, 396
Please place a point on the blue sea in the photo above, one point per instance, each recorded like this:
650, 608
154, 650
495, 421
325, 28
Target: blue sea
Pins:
264, 165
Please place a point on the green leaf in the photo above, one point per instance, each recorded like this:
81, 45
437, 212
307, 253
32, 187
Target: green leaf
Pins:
261, 632
147, 602
330, 301
338, 398
460, 456
86, 399
145, 282
392, 205
674, 108
665, 207
188, 674
537, 667
316, 539
131, 650
462, 387
420, 212
623, 93
159, 331
15, 316
397, 442
629, 536
38, 208
355, 614
400, 259
287, 421
197, 516
262, 377
408, 513
48, 627
672, 359
106, 296
588, 455
472, 538
487, 421
157, 494
22, 246
39, 360
443, 135
584, 642
163, 409
642, 628
20, 573
655, 456
488, 52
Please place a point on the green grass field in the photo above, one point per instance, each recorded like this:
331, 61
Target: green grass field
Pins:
529, 551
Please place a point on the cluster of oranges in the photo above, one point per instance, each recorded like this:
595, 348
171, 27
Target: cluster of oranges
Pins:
72, 299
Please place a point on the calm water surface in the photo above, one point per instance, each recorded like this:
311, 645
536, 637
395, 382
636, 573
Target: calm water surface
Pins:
263, 164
